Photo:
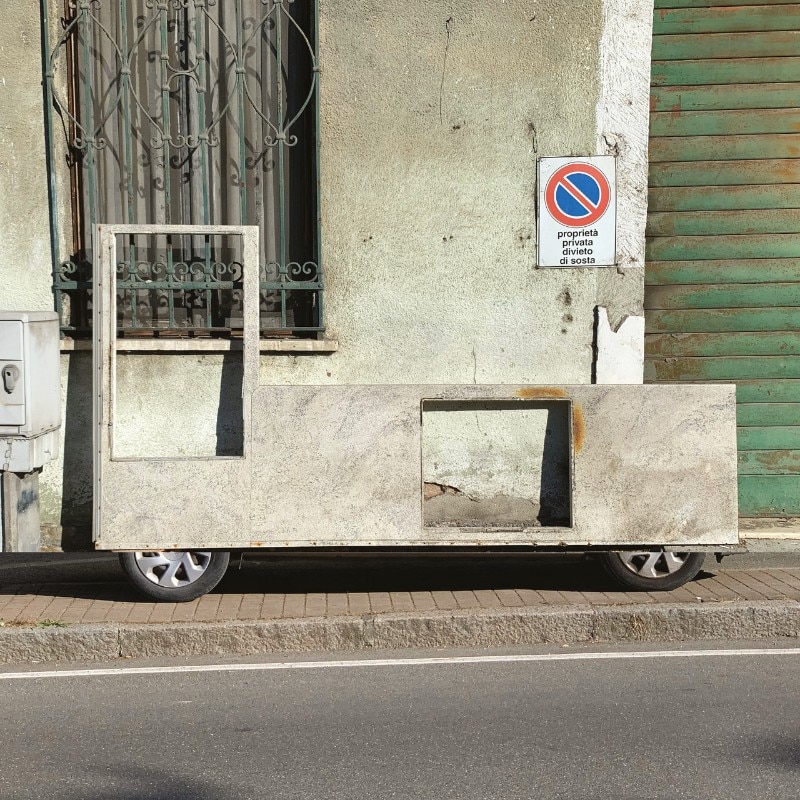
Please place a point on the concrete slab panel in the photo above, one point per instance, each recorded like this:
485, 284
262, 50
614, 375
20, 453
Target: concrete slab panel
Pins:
173, 505
341, 466
656, 466
165, 503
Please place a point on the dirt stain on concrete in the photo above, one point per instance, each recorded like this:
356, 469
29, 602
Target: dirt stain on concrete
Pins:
541, 393
578, 428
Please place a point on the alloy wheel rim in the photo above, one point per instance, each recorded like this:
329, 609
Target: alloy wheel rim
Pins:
173, 568
649, 564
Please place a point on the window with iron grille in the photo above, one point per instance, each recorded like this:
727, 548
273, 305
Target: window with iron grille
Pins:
185, 112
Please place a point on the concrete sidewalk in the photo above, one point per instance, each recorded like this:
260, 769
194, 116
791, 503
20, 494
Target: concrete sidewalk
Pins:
91, 621
34, 604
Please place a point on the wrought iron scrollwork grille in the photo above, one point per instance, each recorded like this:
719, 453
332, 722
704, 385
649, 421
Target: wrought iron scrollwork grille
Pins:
185, 112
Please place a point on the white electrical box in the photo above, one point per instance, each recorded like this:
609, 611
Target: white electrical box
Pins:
30, 389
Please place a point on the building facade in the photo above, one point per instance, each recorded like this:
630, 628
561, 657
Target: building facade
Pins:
388, 153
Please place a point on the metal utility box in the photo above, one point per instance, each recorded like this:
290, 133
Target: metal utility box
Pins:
30, 389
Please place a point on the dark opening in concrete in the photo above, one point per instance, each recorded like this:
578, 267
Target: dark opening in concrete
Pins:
496, 463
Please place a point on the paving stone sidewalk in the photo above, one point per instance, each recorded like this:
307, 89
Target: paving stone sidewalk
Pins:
113, 602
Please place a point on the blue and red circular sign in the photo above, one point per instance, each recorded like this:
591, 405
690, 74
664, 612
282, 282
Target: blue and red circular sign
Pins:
577, 195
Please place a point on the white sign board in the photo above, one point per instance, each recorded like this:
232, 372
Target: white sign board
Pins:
577, 206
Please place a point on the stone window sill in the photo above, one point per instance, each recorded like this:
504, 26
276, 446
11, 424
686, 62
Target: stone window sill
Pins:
206, 345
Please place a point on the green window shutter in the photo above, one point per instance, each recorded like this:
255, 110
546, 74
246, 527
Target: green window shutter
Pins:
722, 301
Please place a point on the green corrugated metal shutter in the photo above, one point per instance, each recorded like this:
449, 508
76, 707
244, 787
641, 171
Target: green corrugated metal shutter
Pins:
723, 274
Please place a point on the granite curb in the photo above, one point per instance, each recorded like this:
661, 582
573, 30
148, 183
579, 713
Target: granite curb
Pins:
574, 624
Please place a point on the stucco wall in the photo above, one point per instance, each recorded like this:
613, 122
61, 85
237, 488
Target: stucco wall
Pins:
432, 118
25, 272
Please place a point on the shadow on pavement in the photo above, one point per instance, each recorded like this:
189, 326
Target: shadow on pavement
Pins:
413, 573
98, 575
142, 783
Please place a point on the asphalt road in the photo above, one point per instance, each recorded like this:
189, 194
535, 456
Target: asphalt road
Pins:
363, 572
655, 728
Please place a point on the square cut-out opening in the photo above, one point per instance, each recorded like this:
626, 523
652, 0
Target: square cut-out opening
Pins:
175, 405
496, 463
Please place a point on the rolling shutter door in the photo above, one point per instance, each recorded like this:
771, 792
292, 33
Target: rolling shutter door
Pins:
723, 255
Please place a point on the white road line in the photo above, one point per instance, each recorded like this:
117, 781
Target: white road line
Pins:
398, 662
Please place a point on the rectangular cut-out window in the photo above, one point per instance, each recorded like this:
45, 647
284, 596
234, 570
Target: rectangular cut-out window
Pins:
496, 464
176, 405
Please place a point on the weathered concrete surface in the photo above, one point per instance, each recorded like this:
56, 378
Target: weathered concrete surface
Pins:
342, 633
342, 466
78, 643
19, 513
622, 130
478, 628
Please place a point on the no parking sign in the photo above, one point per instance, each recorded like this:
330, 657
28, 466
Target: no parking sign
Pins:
577, 211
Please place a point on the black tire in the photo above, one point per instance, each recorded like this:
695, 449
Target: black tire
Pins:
652, 570
175, 576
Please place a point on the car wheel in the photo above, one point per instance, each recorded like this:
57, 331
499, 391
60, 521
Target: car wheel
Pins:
175, 576
652, 570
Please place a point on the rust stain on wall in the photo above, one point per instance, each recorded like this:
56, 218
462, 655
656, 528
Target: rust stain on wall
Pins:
540, 392
578, 428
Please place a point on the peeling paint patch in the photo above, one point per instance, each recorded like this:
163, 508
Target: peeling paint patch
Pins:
620, 352
431, 490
